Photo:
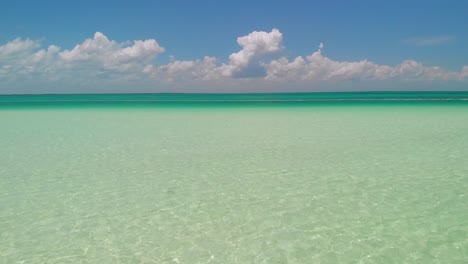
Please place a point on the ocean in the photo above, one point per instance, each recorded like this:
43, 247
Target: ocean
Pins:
234, 178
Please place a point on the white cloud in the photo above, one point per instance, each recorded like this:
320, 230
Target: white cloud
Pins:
99, 59
43, 61
430, 41
317, 67
20, 58
15, 56
464, 73
205, 69
17, 46
112, 55
253, 45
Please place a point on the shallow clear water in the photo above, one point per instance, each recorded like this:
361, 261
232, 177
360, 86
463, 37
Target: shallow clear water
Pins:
339, 183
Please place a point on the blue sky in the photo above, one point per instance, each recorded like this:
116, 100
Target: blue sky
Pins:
366, 45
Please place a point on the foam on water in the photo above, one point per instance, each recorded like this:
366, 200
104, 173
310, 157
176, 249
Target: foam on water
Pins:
339, 184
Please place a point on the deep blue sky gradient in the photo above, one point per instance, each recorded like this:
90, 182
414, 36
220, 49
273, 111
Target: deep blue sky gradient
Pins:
351, 30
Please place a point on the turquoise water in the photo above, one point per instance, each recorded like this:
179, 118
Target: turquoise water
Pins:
296, 98
237, 179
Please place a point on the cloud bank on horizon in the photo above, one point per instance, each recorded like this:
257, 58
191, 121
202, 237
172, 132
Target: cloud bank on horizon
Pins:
259, 59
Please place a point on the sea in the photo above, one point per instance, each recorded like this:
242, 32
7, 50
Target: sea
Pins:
376, 177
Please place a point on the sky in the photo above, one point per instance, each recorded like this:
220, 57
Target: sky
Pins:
232, 46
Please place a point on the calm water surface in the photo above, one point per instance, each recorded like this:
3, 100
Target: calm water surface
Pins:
83, 181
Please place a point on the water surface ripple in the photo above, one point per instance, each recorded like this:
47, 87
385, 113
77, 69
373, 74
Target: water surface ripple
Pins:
363, 183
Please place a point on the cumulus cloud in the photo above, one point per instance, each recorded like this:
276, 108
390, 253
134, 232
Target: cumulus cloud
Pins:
99, 58
314, 67
15, 54
17, 46
317, 67
254, 45
112, 55
205, 69
244, 63
22, 57
464, 72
